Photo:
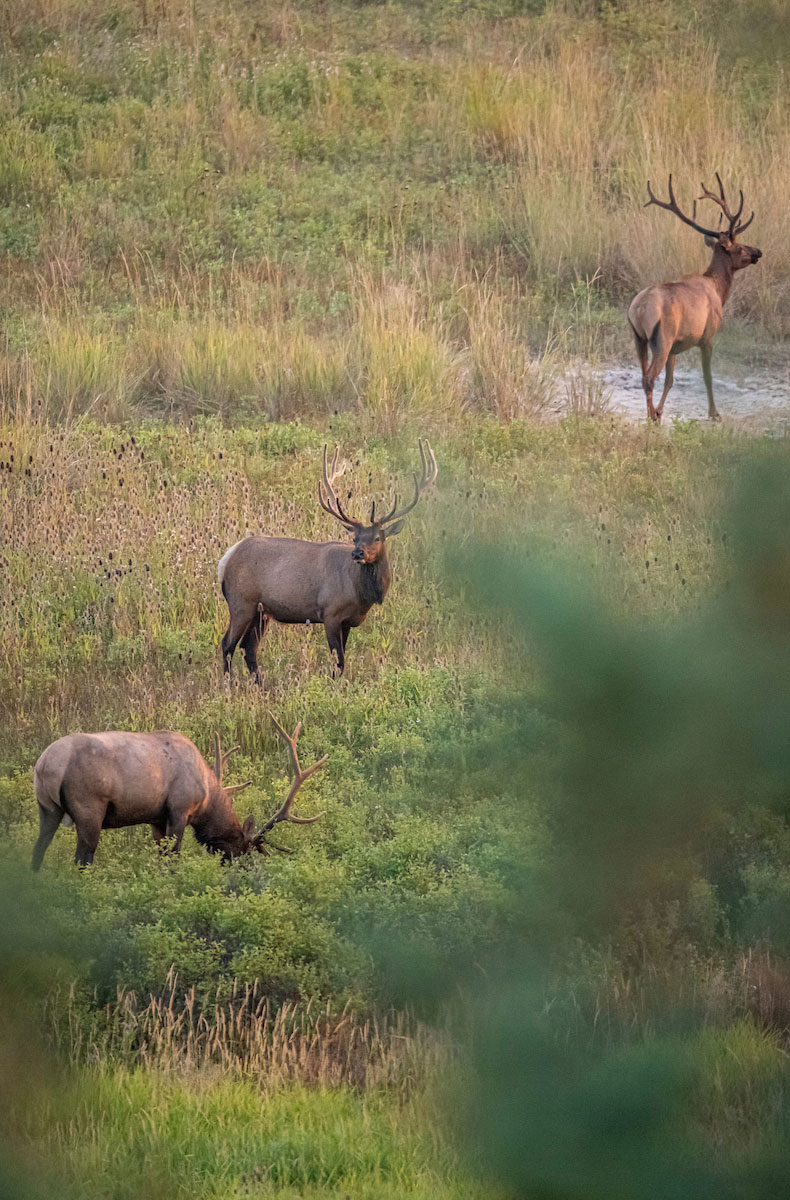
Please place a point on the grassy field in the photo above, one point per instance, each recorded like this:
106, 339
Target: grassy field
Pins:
298, 208
113, 616
231, 233
440, 789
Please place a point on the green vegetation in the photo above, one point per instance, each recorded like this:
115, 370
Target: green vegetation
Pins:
555, 854
442, 788
113, 619
674, 774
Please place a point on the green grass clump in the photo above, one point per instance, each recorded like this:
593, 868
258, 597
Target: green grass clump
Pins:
229, 1138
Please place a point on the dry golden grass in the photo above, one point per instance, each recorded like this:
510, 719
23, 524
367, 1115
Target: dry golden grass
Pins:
244, 1034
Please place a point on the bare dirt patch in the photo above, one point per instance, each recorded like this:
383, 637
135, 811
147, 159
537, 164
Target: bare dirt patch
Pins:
747, 397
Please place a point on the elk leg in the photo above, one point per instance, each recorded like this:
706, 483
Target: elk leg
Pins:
669, 378
230, 640
238, 627
48, 821
706, 353
159, 832
641, 344
249, 645
660, 357
641, 350
334, 635
175, 830
345, 630
88, 832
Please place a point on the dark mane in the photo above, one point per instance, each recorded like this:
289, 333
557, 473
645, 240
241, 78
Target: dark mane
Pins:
374, 583
216, 844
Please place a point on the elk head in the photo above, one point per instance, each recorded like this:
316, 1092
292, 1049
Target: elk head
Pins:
243, 839
370, 539
722, 239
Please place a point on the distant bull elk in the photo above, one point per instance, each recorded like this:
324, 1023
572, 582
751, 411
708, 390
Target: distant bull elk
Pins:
296, 582
672, 317
110, 780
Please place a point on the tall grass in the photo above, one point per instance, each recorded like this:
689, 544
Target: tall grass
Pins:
242, 1033
111, 540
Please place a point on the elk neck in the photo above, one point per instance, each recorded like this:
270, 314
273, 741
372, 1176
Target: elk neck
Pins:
720, 271
374, 580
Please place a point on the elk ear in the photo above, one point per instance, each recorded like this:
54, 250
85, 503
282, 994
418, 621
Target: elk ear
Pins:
711, 242
394, 528
248, 828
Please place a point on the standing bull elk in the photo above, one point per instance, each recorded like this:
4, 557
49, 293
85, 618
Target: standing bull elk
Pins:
672, 317
110, 780
297, 582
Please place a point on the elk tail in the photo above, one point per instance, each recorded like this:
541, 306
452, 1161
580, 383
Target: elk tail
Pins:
223, 563
49, 784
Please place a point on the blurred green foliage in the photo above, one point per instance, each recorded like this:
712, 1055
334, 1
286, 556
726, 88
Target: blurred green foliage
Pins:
672, 753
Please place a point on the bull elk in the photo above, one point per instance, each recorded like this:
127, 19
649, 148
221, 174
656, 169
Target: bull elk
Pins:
110, 780
296, 582
672, 317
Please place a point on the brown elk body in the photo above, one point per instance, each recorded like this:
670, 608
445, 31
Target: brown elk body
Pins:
669, 318
111, 780
296, 582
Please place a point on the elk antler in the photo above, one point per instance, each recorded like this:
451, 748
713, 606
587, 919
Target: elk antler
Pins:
721, 200
220, 759
284, 812
428, 477
672, 206
334, 507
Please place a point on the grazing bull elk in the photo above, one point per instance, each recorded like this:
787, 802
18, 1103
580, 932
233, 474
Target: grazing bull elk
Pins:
673, 317
296, 582
110, 780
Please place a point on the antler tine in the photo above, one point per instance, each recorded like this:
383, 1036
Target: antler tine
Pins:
220, 757
334, 507
654, 199
434, 469
284, 812
721, 200
217, 756
327, 482
672, 206
745, 225
673, 201
237, 787
724, 198
430, 472
393, 510
328, 508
